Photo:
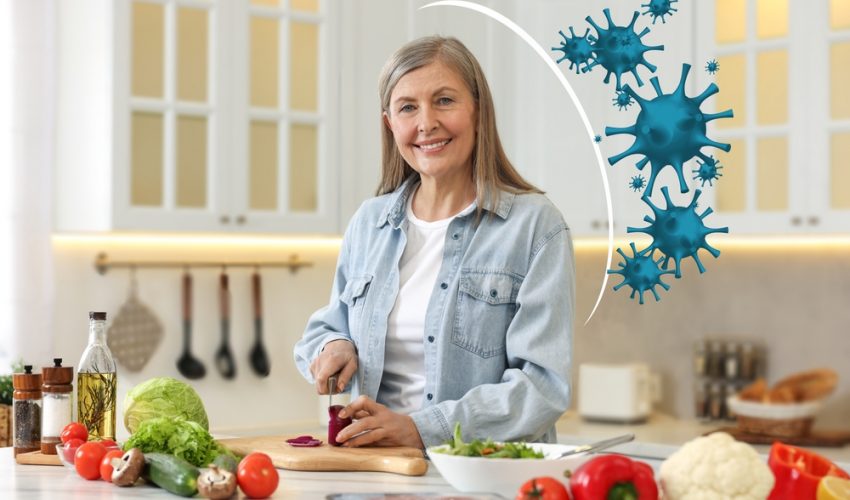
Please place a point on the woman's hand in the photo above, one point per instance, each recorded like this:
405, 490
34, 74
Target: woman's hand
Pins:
338, 356
377, 425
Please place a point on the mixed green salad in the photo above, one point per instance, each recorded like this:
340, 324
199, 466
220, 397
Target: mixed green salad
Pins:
487, 448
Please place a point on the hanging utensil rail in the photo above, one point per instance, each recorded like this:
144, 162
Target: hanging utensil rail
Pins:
103, 264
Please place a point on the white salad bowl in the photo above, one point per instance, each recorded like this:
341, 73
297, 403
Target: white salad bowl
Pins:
503, 476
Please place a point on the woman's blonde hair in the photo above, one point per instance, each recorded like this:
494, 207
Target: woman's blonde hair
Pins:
492, 172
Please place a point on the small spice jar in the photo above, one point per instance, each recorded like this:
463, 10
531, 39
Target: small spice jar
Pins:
57, 405
26, 411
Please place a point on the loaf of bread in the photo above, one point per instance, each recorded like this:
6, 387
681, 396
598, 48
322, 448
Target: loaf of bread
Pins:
796, 388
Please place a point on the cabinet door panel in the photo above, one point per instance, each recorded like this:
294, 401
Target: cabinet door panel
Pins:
146, 159
303, 168
191, 163
264, 166
148, 49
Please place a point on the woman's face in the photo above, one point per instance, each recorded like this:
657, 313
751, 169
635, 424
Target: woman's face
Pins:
432, 117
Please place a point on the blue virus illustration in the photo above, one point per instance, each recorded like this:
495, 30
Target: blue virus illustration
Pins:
708, 171
678, 232
640, 272
659, 8
637, 183
669, 130
577, 49
619, 49
712, 66
597, 139
622, 100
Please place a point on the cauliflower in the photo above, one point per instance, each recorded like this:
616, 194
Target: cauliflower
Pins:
716, 467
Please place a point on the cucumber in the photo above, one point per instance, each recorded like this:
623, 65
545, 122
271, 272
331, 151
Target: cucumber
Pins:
171, 473
227, 462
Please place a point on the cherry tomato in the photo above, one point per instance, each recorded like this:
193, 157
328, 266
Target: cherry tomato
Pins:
74, 430
87, 459
69, 449
257, 476
108, 443
543, 488
106, 464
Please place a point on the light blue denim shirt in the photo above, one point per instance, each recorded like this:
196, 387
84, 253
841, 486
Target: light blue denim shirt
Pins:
498, 326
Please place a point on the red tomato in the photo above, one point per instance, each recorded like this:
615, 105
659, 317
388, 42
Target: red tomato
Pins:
106, 464
543, 488
257, 476
69, 449
74, 430
108, 443
87, 459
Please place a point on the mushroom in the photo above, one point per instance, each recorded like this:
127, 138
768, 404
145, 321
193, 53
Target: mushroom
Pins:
216, 483
127, 469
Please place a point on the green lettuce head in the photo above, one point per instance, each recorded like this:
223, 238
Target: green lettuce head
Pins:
163, 397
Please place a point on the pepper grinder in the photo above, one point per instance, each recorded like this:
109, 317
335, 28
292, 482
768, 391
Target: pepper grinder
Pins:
57, 405
26, 411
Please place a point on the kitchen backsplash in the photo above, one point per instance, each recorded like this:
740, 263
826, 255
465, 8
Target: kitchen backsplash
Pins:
791, 300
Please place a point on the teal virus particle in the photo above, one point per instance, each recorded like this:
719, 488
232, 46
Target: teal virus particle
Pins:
622, 100
708, 171
712, 66
597, 139
659, 8
619, 49
669, 130
678, 232
637, 183
577, 49
641, 273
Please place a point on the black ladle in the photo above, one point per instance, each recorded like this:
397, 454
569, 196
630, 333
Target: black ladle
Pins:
223, 357
259, 357
188, 365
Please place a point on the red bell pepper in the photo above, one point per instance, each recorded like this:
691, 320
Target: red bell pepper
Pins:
798, 472
613, 477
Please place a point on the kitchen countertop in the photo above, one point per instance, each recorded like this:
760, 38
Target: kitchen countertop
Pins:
662, 434
655, 439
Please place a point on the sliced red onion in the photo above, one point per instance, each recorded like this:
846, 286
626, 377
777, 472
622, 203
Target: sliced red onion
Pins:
304, 441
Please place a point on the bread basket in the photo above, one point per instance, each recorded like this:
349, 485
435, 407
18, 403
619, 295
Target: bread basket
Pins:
774, 419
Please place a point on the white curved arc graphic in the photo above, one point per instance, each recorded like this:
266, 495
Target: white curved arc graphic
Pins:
564, 83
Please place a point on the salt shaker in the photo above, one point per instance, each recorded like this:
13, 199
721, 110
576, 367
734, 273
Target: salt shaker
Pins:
57, 405
26, 411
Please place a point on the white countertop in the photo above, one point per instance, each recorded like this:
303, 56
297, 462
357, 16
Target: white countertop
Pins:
656, 439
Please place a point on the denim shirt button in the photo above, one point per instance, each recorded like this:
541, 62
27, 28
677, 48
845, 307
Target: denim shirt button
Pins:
444, 285
431, 339
455, 236
493, 293
430, 396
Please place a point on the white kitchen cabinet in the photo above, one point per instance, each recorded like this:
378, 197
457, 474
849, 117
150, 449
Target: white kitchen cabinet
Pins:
785, 67
168, 120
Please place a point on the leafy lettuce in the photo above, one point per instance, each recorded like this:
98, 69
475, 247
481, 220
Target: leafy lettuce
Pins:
176, 436
487, 448
163, 397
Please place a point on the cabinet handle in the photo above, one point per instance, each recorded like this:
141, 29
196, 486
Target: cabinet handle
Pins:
240, 219
814, 220
796, 220
224, 219
595, 224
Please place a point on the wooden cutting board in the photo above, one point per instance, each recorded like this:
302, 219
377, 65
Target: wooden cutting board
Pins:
37, 458
400, 460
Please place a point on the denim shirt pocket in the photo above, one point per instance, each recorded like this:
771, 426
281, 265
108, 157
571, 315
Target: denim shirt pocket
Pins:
486, 304
354, 296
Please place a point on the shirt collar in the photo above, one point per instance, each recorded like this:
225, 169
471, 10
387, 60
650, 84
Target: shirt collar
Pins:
394, 210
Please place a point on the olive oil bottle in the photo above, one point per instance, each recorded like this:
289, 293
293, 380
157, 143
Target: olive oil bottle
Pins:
97, 382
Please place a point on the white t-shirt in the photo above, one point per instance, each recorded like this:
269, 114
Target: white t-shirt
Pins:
403, 381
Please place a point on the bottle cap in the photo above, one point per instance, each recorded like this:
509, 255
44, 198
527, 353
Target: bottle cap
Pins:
97, 315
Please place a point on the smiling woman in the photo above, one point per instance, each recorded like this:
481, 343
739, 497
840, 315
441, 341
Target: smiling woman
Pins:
454, 292
27, 56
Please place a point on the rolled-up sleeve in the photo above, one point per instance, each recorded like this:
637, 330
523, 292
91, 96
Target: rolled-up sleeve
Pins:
534, 390
330, 322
